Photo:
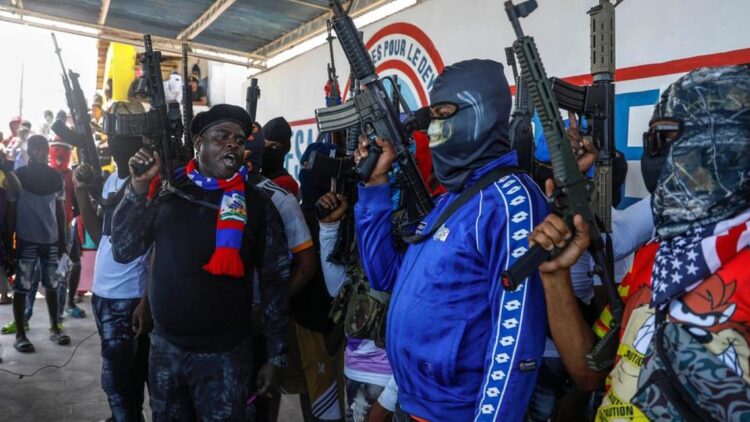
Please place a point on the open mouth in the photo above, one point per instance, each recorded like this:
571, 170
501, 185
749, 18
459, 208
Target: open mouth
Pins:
230, 160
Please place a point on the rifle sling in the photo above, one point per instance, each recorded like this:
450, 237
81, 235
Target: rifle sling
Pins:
462, 199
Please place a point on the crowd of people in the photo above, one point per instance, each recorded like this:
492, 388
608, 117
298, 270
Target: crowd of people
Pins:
222, 286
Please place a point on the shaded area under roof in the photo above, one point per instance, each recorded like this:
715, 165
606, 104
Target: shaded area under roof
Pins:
247, 30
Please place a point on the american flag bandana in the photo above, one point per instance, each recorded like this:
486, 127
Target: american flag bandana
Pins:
684, 261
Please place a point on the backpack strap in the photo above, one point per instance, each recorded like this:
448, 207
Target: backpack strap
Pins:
462, 199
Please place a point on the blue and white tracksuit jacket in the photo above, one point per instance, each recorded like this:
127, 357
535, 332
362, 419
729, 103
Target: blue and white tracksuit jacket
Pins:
462, 348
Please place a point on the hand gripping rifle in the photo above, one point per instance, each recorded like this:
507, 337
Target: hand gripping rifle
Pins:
379, 119
82, 137
573, 191
187, 103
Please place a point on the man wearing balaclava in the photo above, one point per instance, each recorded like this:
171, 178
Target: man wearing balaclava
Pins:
462, 346
693, 274
278, 142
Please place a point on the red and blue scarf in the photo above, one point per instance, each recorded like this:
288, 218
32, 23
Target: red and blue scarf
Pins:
230, 223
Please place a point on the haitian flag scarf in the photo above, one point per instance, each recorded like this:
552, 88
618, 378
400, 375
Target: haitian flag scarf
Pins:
230, 223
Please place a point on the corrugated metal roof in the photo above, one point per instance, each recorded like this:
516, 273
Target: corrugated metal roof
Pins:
251, 29
164, 18
251, 24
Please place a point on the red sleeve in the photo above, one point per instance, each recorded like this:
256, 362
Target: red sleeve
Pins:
424, 163
288, 183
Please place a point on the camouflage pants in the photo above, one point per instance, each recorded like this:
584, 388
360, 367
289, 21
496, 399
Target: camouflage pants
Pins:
188, 386
124, 357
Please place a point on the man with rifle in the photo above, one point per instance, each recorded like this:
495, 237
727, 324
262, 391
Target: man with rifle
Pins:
210, 230
478, 228
692, 272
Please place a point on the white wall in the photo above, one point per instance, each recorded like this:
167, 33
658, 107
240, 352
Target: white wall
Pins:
43, 89
648, 32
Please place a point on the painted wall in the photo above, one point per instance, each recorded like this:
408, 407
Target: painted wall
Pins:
657, 41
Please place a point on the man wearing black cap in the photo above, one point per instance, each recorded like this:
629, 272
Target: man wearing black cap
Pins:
208, 239
278, 135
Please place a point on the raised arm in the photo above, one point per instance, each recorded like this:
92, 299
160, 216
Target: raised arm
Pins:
133, 233
82, 182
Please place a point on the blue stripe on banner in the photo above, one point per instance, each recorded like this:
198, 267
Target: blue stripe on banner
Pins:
520, 222
228, 238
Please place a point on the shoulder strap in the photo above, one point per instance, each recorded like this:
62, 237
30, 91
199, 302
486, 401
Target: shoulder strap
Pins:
462, 199
117, 197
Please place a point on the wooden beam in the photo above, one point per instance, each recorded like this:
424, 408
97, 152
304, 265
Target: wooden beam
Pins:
205, 20
103, 11
308, 4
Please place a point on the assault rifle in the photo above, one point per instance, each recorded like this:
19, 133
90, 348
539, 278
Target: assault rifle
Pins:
251, 99
573, 191
82, 137
187, 103
167, 130
597, 102
520, 132
379, 119
333, 97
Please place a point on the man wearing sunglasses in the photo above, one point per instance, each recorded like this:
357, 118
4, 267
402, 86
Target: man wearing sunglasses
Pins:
693, 273
460, 345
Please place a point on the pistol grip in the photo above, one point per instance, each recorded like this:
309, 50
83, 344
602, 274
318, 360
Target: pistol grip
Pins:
365, 167
523, 267
139, 169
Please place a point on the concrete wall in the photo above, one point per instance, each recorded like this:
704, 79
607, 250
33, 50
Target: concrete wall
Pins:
657, 41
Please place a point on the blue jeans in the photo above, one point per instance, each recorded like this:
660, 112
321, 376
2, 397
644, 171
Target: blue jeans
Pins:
29, 254
124, 357
62, 292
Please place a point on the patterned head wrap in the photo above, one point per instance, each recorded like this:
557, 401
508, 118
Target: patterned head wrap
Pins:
706, 177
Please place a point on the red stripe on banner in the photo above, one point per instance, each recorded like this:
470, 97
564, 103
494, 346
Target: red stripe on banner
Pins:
303, 122
653, 70
726, 246
411, 31
726, 58
409, 72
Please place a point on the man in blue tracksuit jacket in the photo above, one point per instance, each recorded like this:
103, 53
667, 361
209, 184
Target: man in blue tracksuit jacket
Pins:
462, 347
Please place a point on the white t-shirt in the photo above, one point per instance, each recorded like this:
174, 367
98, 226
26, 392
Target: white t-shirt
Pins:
297, 233
113, 280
